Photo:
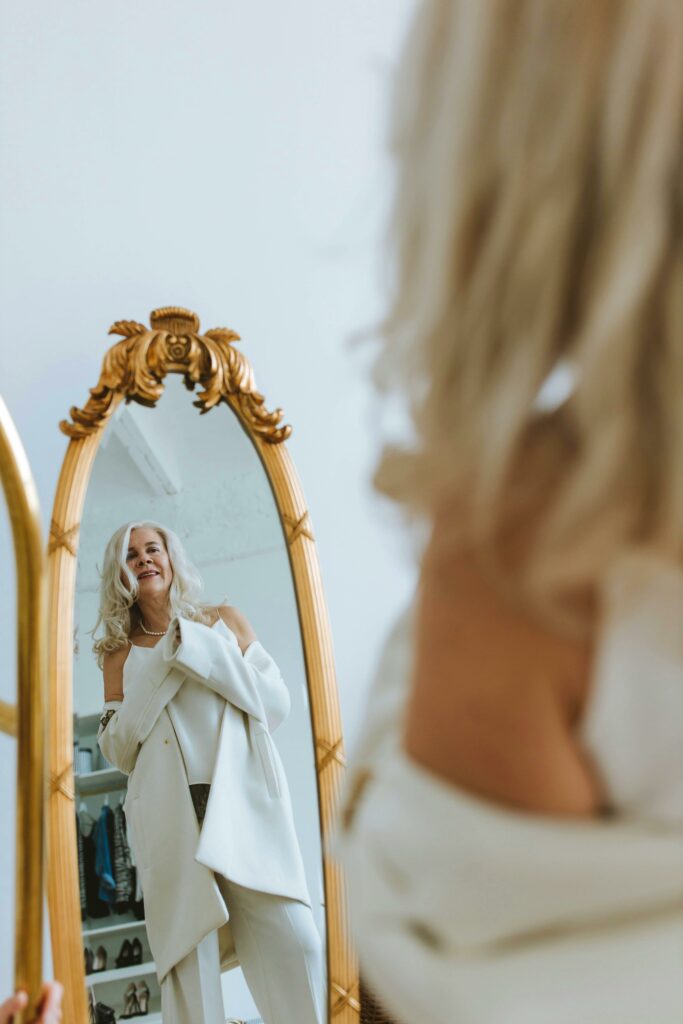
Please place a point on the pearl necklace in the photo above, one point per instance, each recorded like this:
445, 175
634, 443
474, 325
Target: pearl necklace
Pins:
150, 632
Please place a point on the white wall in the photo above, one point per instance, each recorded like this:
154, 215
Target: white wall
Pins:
227, 156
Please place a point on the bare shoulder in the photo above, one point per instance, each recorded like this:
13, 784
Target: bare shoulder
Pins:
495, 695
235, 620
112, 670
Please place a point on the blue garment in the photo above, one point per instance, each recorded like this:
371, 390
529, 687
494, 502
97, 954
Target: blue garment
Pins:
103, 865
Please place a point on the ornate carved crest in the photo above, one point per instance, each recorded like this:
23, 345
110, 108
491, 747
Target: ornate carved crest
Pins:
135, 367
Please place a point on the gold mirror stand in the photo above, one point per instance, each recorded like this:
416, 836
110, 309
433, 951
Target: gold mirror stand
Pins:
29, 721
134, 369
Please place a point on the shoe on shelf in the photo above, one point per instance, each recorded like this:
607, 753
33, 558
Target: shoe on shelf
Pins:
136, 947
131, 1006
99, 960
143, 998
125, 957
92, 1010
88, 958
104, 1014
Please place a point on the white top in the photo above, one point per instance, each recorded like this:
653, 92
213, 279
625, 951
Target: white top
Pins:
196, 712
633, 725
465, 912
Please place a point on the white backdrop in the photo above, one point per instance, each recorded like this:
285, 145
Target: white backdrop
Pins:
226, 156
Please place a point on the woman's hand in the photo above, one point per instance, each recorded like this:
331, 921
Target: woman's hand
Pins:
50, 1008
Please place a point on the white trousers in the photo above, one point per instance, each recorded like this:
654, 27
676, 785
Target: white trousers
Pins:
280, 953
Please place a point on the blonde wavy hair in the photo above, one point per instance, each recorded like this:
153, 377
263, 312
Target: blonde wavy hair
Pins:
537, 222
118, 612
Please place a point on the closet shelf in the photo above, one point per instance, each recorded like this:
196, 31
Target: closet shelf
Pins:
86, 725
121, 973
112, 929
101, 781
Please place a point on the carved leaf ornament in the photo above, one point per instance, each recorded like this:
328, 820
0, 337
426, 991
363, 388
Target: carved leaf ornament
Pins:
135, 367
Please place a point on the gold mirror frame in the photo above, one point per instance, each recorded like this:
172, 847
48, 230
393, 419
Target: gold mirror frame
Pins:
133, 370
27, 721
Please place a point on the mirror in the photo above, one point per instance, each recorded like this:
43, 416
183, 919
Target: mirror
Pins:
25, 719
199, 788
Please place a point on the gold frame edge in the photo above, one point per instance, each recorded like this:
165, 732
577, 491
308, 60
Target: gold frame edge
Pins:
30, 715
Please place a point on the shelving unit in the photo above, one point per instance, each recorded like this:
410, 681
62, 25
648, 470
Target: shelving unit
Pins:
104, 780
87, 725
121, 973
124, 926
95, 788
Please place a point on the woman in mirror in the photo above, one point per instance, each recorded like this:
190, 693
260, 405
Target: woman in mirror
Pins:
191, 700
513, 822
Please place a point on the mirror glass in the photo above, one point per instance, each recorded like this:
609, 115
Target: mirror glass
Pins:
200, 476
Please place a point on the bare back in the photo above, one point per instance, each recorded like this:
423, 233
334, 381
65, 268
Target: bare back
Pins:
496, 697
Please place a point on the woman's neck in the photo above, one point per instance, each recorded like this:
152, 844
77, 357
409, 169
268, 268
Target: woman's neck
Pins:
154, 615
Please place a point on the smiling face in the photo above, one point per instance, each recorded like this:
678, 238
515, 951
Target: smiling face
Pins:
147, 558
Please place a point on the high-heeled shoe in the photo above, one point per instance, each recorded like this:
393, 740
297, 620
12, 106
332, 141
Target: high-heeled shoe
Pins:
131, 1006
99, 960
136, 951
143, 998
104, 1014
125, 957
92, 1002
88, 960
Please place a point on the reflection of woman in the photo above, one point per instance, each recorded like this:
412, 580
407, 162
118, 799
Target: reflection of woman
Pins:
191, 698
513, 824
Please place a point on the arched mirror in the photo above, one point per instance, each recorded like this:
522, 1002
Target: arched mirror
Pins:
189, 801
24, 717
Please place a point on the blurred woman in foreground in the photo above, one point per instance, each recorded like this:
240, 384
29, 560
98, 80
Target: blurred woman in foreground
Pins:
512, 828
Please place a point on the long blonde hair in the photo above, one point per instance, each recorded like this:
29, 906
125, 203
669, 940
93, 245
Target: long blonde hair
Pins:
537, 221
118, 612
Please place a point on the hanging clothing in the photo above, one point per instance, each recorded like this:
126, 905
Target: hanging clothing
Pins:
103, 855
123, 868
96, 907
81, 871
137, 903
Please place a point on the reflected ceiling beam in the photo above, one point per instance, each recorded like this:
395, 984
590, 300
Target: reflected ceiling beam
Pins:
239, 556
156, 463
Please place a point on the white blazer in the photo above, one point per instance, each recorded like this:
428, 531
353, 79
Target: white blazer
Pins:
465, 911
248, 834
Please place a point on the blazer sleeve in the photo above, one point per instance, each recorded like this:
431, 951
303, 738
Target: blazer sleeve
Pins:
125, 725
251, 681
